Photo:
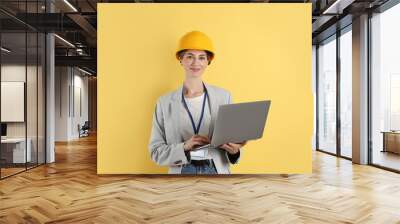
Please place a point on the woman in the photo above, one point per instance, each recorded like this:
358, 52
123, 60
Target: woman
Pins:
183, 120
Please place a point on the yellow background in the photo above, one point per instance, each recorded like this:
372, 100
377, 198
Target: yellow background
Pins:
263, 51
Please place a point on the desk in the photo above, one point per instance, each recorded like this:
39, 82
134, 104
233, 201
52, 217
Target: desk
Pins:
15, 148
391, 141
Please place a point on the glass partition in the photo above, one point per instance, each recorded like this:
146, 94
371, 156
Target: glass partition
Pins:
32, 95
14, 153
22, 77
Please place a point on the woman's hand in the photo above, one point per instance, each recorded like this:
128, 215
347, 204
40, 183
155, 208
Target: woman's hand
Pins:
233, 148
195, 141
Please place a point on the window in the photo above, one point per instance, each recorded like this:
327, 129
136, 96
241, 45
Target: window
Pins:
346, 93
327, 96
385, 88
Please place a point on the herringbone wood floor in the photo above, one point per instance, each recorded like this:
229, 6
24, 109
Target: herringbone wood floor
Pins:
69, 191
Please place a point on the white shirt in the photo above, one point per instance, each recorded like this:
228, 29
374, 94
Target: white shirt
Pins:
195, 105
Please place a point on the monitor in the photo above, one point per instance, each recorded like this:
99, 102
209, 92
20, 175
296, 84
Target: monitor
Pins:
3, 129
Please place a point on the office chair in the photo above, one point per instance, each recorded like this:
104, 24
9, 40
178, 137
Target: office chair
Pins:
84, 130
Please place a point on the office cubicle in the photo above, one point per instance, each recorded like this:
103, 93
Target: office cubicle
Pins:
22, 88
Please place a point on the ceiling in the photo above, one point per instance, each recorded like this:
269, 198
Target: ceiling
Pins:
76, 22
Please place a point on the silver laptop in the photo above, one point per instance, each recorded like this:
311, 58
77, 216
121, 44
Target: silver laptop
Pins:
239, 122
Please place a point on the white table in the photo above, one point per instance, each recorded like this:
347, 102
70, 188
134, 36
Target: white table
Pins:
19, 149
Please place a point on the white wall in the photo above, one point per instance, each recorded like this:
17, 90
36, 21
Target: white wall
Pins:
81, 103
62, 80
16, 73
71, 94
12, 73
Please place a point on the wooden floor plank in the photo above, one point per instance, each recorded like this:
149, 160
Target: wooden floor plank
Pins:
70, 191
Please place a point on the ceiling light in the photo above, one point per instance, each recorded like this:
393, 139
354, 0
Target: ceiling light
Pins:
64, 40
338, 6
70, 5
5, 50
84, 71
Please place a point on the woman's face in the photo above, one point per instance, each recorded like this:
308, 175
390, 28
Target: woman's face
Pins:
194, 62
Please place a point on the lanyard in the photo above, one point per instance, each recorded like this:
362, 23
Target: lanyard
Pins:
196, 129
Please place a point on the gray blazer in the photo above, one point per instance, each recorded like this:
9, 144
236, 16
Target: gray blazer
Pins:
166, 146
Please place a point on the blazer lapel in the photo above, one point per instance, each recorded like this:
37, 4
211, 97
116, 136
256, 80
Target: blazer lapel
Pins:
176, 112
213, 104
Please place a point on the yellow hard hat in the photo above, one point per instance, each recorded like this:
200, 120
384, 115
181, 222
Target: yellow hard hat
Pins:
195, 40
